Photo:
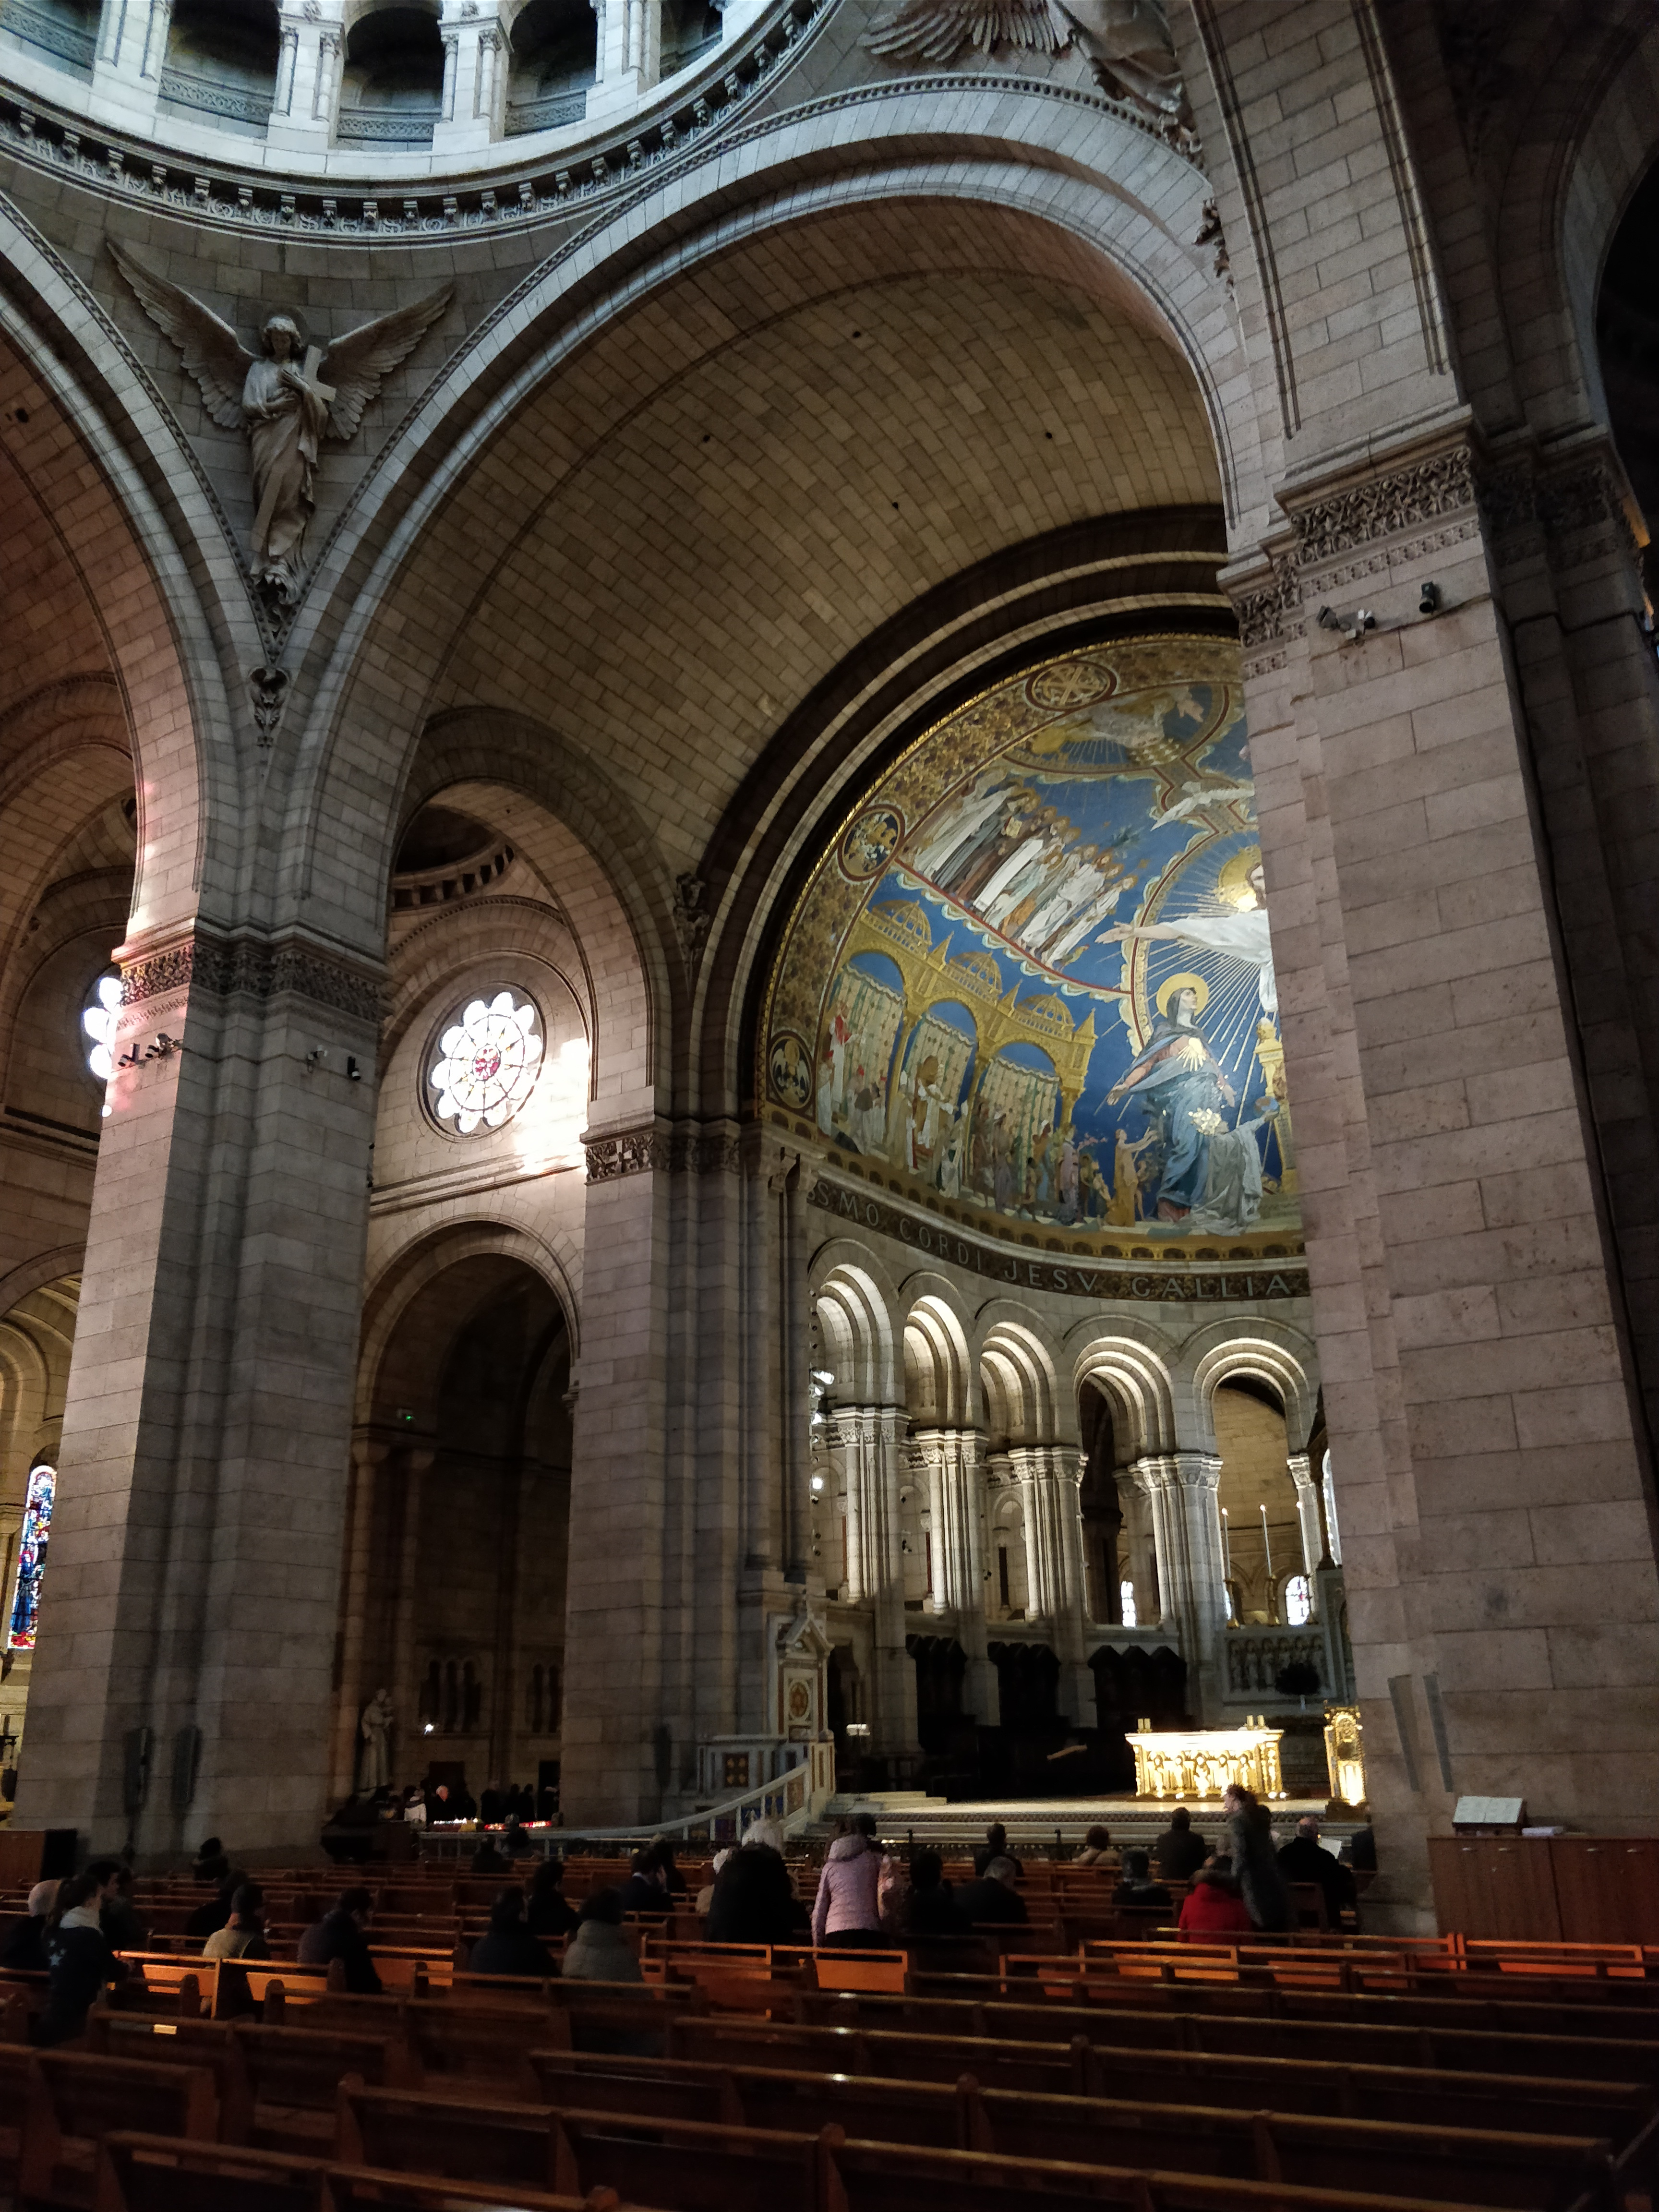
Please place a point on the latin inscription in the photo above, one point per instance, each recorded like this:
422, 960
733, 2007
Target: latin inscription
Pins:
1072, 1279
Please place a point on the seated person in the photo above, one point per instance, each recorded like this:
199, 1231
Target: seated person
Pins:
1360, 1851
25, 1948
207, 1918
754, 1899
1178, 1853
487, 1859
79, 1962
123, 1929
993, 1899
342, 1933
1305, 1858
995, 1846
646, 1889
1097, 1847
1213, 1905
598, 1951
550, 1912
509, 1947
1138, 1888
243, 1935
935, 1910
209, 1863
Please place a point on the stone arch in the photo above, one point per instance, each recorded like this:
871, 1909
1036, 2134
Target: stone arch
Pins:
407, 1271
855, 1304
1090, 232
1131, 1366
1019, 1375
1266, 1350
941, 1385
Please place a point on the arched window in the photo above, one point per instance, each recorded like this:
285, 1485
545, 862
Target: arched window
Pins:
32, 1558
1125, 1600
1298, 1602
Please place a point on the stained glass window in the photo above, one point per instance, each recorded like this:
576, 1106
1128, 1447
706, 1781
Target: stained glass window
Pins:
98, 1021
1126, 1600
32, 1558
486, 1062
1298, 1602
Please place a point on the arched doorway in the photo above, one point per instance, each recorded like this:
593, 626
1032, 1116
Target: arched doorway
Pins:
458, 1607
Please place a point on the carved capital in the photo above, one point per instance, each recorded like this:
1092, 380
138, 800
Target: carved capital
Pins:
1387, 505
255, 967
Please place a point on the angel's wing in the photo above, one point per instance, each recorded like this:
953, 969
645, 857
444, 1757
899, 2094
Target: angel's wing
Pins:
931, 30
212, 352
357, 363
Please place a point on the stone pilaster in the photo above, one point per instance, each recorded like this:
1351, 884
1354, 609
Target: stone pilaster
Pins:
1049, 1475
630, 54
956, 1484
870, 1439
472, 112
309, 64
1309, 1522
368, 1457
128, 61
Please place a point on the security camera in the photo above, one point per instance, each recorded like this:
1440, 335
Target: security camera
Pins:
1428, 600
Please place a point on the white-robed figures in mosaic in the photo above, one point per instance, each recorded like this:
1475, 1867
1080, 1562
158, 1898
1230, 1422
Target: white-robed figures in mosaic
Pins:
1034, 976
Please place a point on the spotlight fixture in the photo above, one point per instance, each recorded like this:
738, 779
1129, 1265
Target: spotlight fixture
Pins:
1351, 627
1428, 600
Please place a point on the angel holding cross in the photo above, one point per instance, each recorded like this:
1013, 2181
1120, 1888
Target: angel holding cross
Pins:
279, 397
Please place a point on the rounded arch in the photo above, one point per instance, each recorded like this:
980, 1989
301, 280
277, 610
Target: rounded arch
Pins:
1265, 1351
982, 211
855, 1304
941, 1382
406, 1272
1130, 1366
1019, 1375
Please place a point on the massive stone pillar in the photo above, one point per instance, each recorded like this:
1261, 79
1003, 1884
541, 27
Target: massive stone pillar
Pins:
1180, 1489
1449, 804
952, 1460
612, 1769
190, 1600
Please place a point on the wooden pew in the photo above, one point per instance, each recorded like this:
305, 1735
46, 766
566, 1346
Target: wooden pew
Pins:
692, 2165
1484, 2165
1525, 2105
75, 2097
275, 2086
155, 2174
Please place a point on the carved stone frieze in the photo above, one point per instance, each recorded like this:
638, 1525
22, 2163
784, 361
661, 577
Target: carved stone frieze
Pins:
663, 1151
1382, 505
259, 968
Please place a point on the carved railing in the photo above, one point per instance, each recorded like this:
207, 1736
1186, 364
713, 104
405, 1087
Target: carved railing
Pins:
54, 34
237, 103
1255, 1657
553, 114
385, 126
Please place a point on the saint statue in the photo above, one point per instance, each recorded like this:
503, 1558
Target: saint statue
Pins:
376, 1728
1179, 1082
287, 399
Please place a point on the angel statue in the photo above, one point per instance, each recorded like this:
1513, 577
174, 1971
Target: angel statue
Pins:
288, 397
1126, 43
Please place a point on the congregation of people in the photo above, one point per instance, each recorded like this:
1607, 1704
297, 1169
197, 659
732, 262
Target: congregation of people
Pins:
867, 1895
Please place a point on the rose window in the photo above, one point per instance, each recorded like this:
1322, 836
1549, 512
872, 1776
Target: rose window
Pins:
486, 1063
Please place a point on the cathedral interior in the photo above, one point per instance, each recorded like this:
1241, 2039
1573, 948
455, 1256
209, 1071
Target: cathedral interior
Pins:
827, 929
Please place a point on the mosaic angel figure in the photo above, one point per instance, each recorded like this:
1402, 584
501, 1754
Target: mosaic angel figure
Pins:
1126, 43
287, 399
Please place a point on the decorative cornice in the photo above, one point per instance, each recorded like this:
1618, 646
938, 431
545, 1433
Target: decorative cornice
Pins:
1383, 505
254, 967
688, 1150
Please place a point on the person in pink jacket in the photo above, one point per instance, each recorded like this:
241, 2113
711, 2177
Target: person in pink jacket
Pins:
846, 1913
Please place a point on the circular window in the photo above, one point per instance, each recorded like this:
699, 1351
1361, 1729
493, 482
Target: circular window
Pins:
485, 1064
98, 1019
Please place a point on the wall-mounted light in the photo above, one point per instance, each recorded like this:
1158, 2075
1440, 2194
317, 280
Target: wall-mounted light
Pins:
818, 1482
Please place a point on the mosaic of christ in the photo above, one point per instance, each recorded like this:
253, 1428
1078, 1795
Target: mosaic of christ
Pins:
1032, 976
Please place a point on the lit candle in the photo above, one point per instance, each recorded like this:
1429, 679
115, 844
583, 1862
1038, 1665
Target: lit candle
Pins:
1226, 1543
1266, 1546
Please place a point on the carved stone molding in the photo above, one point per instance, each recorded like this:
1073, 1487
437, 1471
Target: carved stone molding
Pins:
256, 967
1409, 498
626, 1152
1579, 511
687, 1151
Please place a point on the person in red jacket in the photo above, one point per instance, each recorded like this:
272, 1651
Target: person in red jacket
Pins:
1213, 1906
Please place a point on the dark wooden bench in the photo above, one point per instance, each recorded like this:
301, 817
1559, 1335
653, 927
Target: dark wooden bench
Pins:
73, 2099
155, 2174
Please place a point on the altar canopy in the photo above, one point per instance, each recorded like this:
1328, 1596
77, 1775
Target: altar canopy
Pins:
1031, 975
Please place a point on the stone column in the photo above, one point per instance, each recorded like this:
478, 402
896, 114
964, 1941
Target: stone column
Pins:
196, 1543
1300, 1468
128, 61
308, 67
367, 1457
1180, 1488
956, 1488
472, 113
872, 1438
630, 55
1049, 1475
411, 1471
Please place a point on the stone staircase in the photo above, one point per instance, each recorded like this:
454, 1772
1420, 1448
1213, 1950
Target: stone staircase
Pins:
1035, 1826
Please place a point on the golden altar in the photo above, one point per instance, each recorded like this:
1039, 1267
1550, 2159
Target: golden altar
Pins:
1201, 1762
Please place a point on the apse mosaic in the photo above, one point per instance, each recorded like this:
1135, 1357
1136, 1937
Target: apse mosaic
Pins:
1030, 982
